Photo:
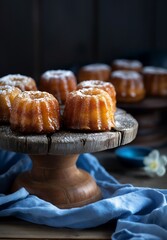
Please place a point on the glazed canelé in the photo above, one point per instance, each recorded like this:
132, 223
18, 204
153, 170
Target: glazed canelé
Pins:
97, 71
7, 95
24, 83
89, 109
35, 112
59, 83
155, 81
129, 86
106, 86
125, 64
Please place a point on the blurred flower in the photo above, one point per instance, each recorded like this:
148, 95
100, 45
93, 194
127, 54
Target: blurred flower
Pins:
155, 164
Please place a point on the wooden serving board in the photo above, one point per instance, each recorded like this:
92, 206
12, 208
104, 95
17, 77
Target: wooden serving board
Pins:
148, 103
150, 114
68, 142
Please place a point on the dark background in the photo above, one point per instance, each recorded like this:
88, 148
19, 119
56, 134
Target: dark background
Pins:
37, 35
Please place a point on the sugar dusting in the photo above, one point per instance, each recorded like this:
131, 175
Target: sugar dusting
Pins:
154, 70
96, 67
127, 63
125, 74
57, 74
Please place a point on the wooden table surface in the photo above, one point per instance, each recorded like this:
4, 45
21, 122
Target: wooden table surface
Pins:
11, 228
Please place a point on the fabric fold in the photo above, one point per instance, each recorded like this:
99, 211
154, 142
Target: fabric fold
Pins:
140, 212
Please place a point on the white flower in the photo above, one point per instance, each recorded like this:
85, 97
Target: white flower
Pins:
155, 164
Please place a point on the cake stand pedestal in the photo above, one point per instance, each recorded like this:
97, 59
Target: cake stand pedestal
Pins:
150, 114
54, 176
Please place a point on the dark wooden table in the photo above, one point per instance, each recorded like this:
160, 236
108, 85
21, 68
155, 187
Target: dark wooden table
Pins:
11, 228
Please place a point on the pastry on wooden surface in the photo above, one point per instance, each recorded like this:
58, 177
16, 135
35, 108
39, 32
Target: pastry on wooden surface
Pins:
59, 83
106, 86
24, 83
7, 95
89, 109
129, 86
125, 64
35, 112
155, 81
97, 71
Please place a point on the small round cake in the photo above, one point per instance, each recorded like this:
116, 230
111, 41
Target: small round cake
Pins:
155, 81
35, 112
7, 96
24, 83
59, 83
125, 64
106, 86
97, 71
129, 86
89, 109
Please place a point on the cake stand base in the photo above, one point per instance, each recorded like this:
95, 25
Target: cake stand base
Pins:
56, 178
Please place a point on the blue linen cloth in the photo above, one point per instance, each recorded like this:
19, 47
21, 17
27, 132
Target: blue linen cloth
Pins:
141, 212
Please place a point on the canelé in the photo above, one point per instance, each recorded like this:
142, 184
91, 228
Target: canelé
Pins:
126, 64
7, 96
89, 109
129, 86
59, 83
106, 86
155, 81
97, 71
24, 83
35, 112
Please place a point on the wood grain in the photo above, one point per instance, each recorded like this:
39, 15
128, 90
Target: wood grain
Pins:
54, 176
56, 179
66, 142
11, 228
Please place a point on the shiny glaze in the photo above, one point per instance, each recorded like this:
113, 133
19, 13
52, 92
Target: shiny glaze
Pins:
7, 95
97, 71
89, 109
126, 64
35, 112
59, 83
129, 86
24, 83
155, 81
106, 86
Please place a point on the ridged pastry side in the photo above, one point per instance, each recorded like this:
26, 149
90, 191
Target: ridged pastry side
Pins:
7, 95
129, 86
24, 83
106, 86
59, 83
97, 71
89, 110
127, 65
35, 112
155, 81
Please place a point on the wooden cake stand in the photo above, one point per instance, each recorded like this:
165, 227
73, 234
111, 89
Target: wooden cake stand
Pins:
150, 115
54, 176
